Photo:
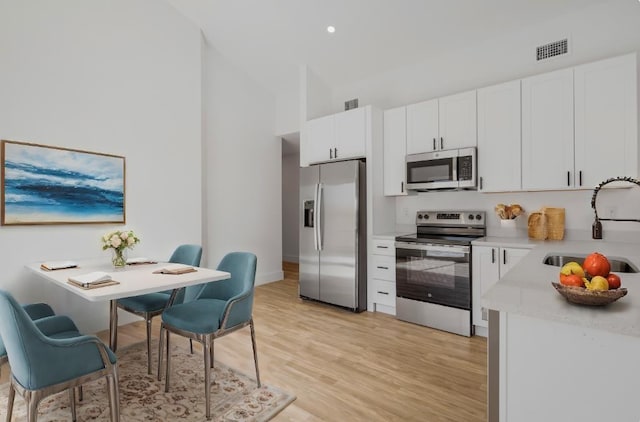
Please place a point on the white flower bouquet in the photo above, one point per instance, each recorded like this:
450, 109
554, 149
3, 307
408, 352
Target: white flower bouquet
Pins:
119, 240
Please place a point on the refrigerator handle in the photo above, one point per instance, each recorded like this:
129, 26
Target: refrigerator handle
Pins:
315, 217
318, 214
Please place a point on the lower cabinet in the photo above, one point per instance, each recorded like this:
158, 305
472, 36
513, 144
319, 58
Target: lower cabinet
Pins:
489, 264
383, 276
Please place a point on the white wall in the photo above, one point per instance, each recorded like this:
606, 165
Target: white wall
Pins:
290, 207
242, 166
288, 112
604, 30
112, 76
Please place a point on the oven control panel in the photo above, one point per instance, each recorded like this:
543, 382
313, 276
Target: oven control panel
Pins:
437, 218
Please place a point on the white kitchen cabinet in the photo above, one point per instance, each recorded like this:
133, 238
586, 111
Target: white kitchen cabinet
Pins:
606, 120
489, 264
547, 131
383, 284
395, 151
442, 123
499, 138
339, 136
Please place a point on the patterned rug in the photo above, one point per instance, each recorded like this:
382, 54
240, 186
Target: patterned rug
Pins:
234, 396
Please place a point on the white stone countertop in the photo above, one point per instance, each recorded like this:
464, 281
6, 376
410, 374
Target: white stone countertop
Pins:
527, 289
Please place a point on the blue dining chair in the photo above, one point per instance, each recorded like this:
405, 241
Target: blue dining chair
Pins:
150, 305
35, 311
220, 308
43, 365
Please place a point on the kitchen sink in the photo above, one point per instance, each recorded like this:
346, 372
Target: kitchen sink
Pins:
617, 265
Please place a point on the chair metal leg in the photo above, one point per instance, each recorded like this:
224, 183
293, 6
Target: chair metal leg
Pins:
114, 395
72, 403
167, 371
80, 393
148, 318
212, 352
32, 407
255, 351
191, 345
160, 351
207, 376
12, 396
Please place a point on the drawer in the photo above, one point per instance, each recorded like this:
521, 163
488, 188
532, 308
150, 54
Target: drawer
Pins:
384, 292
384, 247
384, 267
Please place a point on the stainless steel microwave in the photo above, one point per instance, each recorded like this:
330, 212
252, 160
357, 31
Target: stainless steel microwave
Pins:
449, 169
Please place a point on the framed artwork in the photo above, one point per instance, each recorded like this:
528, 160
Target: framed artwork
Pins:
51, 185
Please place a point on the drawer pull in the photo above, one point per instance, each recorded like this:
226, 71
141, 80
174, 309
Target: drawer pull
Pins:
382, 247
383, 293
383, 268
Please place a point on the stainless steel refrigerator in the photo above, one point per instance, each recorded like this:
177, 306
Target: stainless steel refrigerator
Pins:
333, 233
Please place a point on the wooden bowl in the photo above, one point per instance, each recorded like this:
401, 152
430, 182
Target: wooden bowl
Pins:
582, 296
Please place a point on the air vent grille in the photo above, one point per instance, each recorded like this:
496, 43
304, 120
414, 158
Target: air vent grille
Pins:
552, 49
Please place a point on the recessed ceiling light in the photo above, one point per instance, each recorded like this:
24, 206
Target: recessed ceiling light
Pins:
331, 29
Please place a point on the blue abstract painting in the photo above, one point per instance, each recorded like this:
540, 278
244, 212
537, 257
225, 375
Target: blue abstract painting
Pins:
49, 185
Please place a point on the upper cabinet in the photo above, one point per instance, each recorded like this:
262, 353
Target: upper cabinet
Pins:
442, 123
339, 136
395, 150
547, 131
606, 120
499, 137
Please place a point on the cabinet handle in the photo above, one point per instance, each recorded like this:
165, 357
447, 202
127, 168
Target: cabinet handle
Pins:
568, 178
335, 153
441, 143
434, 144
481, 182
330, 153
493, 255
401, 186
383, 293
383, 268
580, 177
504, 256
382, 247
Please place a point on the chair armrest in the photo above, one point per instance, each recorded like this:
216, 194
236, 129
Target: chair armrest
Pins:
237, 310
55, 324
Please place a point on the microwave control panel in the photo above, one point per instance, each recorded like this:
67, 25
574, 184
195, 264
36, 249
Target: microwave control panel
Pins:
465, 168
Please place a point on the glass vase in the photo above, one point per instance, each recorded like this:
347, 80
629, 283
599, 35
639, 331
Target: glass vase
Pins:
119, 258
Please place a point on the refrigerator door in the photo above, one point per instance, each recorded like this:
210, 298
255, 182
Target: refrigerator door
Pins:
338, 227
309, 255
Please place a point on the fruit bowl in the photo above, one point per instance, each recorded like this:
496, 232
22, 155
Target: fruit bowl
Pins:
582, 296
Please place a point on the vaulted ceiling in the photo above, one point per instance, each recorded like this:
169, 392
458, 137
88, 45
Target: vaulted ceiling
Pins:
269, 39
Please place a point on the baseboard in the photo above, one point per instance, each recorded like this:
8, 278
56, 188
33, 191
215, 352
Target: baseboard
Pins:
269, 277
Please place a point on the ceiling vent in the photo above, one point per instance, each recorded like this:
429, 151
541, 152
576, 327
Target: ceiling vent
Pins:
553, 49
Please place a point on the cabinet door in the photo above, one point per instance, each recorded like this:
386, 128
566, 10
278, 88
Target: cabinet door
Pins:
319, 139
510, 257
350, 134
457, 121
422, 127
606, 120
484, 261
547, 131
499, 137
395, 151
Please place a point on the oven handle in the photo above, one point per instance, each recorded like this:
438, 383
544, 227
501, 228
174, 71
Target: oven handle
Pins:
435, 248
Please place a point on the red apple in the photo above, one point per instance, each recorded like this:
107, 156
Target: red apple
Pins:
614, 281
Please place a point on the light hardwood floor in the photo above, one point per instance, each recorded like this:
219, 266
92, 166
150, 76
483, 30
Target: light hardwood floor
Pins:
356, 367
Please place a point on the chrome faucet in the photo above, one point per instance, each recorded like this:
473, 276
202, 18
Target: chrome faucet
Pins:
596, 228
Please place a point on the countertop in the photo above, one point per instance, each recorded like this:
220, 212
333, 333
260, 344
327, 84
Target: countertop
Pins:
527, 289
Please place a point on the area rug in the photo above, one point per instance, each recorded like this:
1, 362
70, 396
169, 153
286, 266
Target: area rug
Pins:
234, 396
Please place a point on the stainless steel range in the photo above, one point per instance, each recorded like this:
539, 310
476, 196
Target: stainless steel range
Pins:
433, 270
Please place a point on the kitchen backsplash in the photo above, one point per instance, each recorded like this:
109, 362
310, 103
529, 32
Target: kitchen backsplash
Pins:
614, 203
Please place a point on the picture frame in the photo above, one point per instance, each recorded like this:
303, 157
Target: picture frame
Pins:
43, 184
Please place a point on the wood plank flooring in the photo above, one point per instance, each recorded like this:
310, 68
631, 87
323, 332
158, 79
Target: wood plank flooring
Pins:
357, 367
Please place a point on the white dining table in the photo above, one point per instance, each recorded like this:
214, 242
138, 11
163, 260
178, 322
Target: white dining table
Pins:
133, 280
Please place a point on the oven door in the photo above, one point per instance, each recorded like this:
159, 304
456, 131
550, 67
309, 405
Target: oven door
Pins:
438, 274
432, 170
